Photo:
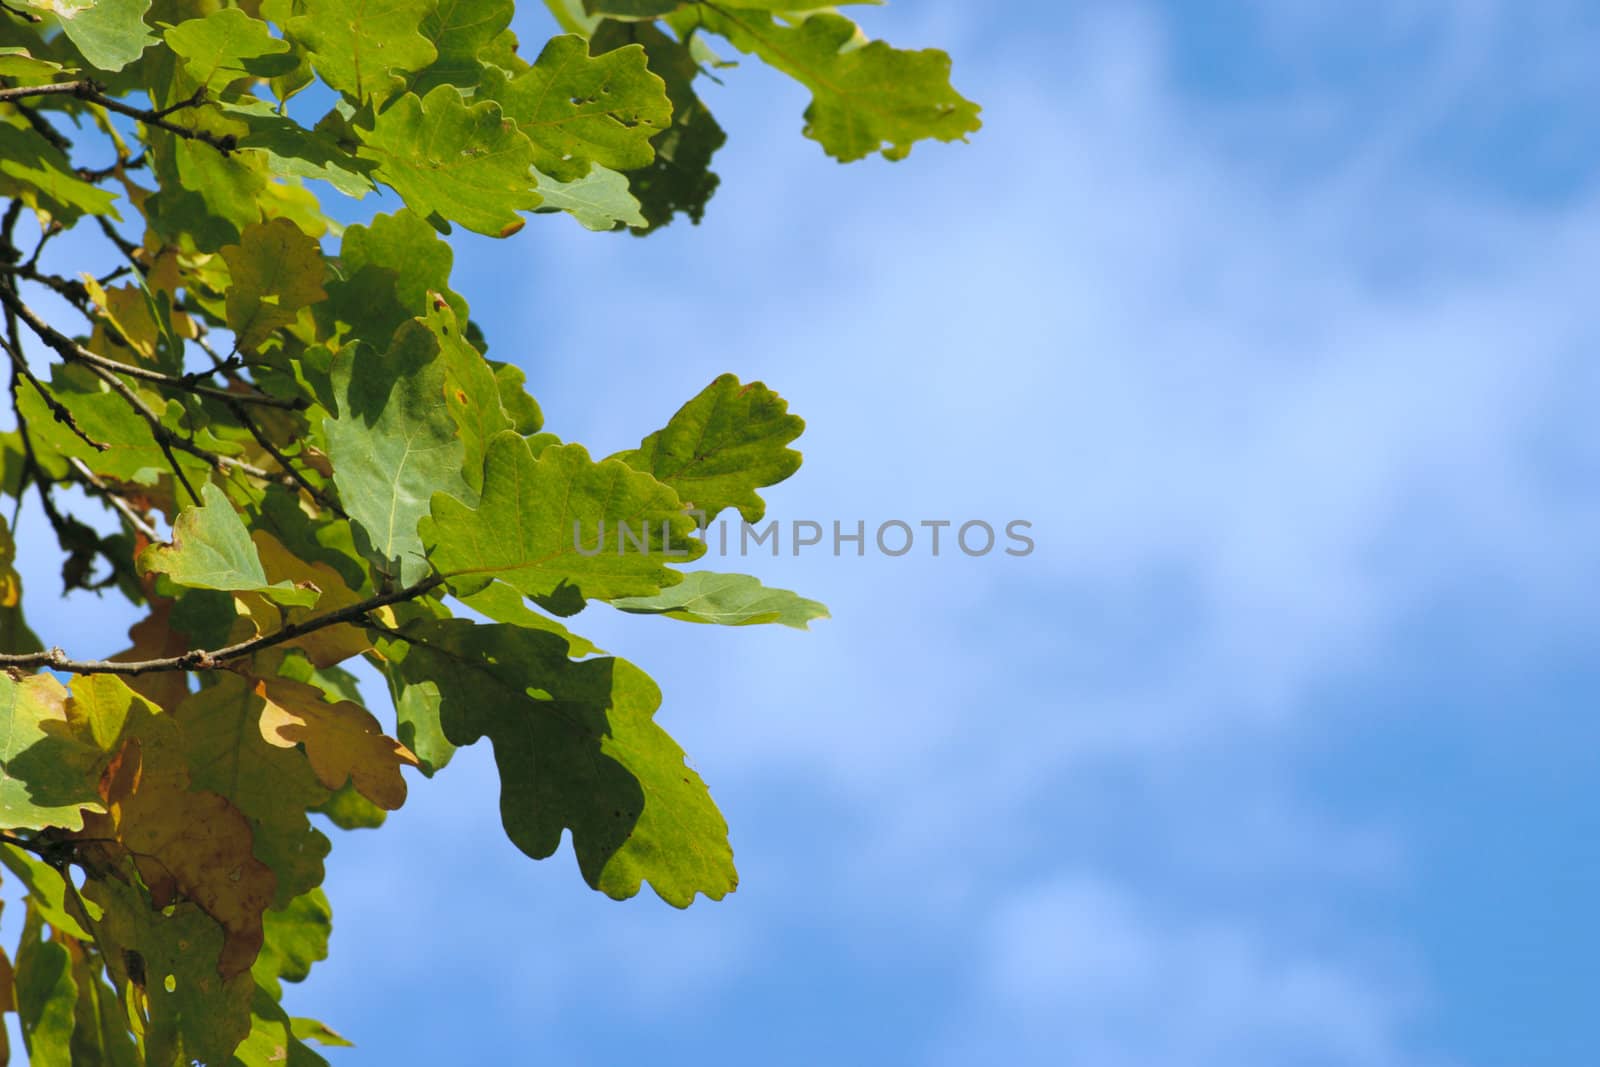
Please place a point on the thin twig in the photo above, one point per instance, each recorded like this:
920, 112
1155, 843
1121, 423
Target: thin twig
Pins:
165, 438
100, 174
129, 250
50, 231
69, 289
35, 847
157, 117
44, 128
283, 461
63, 415
115, 499
213, 659
73, 352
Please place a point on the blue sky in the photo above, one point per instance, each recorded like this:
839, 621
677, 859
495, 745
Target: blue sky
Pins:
1274, 320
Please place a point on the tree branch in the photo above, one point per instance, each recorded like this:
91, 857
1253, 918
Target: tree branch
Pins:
20, 369
283, 461
169, 440
69, 289
91, 92
73, 352
215, 659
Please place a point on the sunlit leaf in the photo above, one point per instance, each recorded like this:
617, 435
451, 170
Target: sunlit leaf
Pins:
722, 446
727, 600
579, 109
866, 96
454, 162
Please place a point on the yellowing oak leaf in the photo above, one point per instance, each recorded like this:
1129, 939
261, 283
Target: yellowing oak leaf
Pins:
343, 741
272, 787
14, 633
188, 844
155, 637
194, 845
276, 270
330, 644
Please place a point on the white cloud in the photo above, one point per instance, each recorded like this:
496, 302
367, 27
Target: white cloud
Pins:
1086, 974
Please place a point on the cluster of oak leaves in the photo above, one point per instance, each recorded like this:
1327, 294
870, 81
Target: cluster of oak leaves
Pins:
304, 456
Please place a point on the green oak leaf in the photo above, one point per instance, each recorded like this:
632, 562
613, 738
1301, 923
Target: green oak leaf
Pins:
273, 1040
600, 200
132, 453
578, 749
866, 96
36, 171
727, 600
349, 810
387, 273
394, 444
109, 33
654, 9
454, 162
680, 178
412, 251
312, 1030
48, 774
46, 996
211, 549
460, 30
358, 45
471, 392
20, 63
501, 603
560, 524
579, 109
416, 706
47, 890
228, 43
293, 151
100, 1031
523, 410
324, 541
296, 936
793, 6
204, 194
197, 1011
722, 446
